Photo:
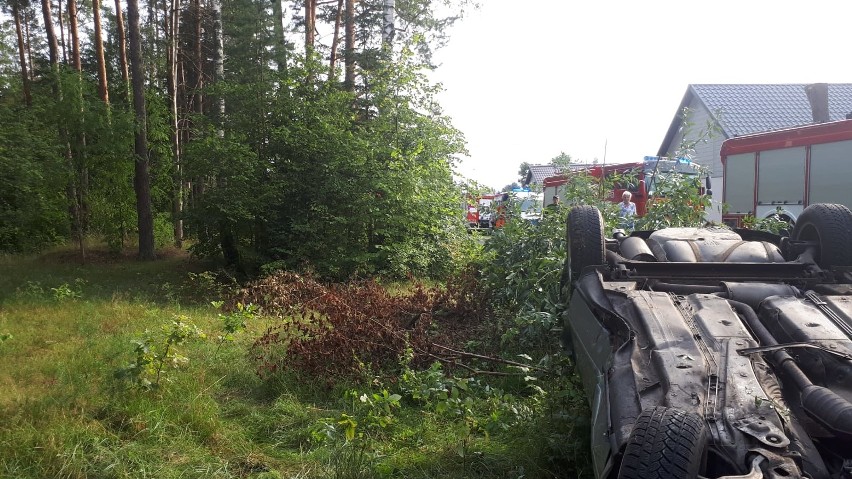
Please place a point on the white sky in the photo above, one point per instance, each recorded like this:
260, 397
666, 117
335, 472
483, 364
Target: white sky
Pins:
525, 80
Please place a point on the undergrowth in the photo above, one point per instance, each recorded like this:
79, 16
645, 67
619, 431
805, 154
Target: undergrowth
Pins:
390, 411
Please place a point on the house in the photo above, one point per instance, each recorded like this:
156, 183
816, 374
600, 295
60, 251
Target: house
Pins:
741, 109
537, 173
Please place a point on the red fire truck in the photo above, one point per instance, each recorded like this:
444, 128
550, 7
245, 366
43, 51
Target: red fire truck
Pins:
479, 211
491, 211
644, 173
781, 172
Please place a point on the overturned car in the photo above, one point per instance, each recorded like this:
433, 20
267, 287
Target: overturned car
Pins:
714, 353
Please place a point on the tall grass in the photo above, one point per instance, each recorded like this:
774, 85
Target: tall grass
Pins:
63, 413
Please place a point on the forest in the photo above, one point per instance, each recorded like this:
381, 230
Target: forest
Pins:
285, 133
232, 245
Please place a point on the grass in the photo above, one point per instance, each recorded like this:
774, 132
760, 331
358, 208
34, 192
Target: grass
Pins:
65, 415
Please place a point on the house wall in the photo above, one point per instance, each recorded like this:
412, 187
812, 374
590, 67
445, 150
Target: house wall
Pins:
706, 153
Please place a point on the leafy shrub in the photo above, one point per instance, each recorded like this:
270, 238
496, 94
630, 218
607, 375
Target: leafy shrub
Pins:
676, 202
164, 233
157, 352
524, 261
772, 223
521, 277
206, 286
30, 290
34, 290
65, 291
234, 321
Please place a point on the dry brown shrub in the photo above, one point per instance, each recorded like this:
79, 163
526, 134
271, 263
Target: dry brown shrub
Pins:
331, 331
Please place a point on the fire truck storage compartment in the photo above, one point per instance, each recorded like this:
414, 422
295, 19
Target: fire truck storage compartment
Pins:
779, 174
739, 179
831, 172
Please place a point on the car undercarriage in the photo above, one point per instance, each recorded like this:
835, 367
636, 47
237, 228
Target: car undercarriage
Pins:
714, 353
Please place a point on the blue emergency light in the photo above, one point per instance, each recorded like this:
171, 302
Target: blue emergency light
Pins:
681, 159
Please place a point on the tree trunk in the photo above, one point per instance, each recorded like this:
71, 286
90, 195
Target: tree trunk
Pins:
173, 32
79, 168
279, 45
335, 42
27, 21
62, 42
349, 48
52, 43
227, 241
310, 25
389, 27
220, 60
53, 52
151, 40
122, 48
194, 186
103, 89
75, 38
199, 60
22, 54
142, 180
185, 105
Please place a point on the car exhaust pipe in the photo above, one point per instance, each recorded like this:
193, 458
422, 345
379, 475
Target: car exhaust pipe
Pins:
823, 405
828, 409
753, 294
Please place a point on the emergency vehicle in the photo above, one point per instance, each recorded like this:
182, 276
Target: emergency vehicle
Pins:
644, 172
782, 172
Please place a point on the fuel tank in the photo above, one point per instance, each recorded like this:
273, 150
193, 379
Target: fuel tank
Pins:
696, 245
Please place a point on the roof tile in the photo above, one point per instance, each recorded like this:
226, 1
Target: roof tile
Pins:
540, 172
753, 108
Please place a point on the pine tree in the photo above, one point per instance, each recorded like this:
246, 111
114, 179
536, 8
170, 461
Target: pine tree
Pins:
142, 179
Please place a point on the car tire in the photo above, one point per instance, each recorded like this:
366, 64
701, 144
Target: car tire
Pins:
666, 443
831, 226
586, 241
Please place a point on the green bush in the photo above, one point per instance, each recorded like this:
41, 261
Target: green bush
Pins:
164, 233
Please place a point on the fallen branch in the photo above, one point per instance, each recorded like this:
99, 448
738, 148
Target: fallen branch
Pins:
461, 354
494, 359
472, 370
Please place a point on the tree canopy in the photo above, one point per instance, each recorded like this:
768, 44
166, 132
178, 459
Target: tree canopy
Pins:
307, 139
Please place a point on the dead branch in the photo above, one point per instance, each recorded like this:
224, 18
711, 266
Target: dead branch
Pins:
494, 359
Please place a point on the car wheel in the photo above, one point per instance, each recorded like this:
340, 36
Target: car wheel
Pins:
586, 242
830, 225
666, 443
